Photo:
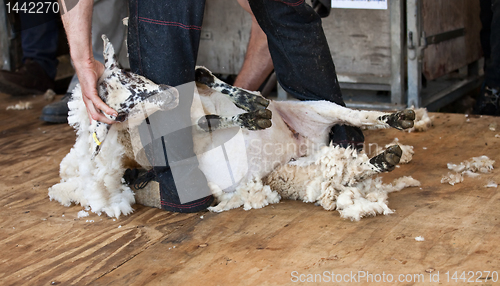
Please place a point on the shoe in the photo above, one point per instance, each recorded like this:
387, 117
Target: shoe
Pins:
487, 103
30, 79
347, 136
56, 112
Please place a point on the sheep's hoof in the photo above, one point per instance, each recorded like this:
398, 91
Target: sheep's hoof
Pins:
249, 101
401, 119
387, 160
256, 120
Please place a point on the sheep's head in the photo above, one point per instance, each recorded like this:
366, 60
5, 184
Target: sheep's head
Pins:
131, 95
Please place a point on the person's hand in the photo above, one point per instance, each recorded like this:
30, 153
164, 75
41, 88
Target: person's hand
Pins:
88, 72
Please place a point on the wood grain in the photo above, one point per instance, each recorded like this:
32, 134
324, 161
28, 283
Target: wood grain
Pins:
39, 245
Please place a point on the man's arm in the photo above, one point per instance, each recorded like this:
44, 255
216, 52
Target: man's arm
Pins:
77, 23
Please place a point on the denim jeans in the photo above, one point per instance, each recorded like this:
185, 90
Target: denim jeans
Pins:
39, 36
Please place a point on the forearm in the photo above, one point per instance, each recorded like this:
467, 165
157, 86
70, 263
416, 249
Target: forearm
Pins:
78, 23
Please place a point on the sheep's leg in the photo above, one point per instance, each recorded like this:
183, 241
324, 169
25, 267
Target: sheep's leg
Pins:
256, 120
308, 114
383, 162
244, 99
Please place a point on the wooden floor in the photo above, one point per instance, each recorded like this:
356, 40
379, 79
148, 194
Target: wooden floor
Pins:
44, 243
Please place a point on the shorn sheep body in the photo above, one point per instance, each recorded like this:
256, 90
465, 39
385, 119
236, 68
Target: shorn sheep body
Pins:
280, 149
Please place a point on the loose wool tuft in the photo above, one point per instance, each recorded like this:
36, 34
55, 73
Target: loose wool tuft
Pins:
469, 168
95, 183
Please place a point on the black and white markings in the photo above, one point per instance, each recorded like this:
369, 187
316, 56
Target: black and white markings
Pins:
242, 98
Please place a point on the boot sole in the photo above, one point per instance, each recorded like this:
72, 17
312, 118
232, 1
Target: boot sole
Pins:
54, 118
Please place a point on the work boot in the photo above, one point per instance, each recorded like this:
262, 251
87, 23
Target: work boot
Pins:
487, 103
56, 112
30, 79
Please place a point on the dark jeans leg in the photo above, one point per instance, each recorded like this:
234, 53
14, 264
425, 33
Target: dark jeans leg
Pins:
299, 49
492, 72
39, 36
163, 45
302, 58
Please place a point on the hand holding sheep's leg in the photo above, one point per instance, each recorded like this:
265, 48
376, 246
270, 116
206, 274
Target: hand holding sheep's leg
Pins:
387, 160
242, 98
400, 120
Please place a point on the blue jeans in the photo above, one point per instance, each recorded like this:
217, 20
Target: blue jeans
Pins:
39, 36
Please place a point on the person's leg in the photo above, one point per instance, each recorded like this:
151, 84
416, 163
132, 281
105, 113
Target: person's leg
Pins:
39, 43
39, 37
163, 41
302, 58
257, 64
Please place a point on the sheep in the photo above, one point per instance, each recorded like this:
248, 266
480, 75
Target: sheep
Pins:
275, 149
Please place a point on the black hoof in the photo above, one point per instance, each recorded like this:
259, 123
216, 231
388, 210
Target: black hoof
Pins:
400, 120
204, 76
387, 160
256, 120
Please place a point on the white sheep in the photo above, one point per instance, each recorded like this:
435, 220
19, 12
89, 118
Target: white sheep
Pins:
286, 156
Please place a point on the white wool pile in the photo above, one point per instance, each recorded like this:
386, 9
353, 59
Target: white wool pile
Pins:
94, 183
252, 195
22, 105
337, 179
369, 197
82, 213
470, 168
452, 178
491, 185
422, 120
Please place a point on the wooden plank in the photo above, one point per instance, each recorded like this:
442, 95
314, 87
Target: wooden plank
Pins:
225, 34
473, 27
360, 41
460, 223
440, 16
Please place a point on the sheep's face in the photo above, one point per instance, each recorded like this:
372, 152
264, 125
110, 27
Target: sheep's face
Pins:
131, 94
134, 97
